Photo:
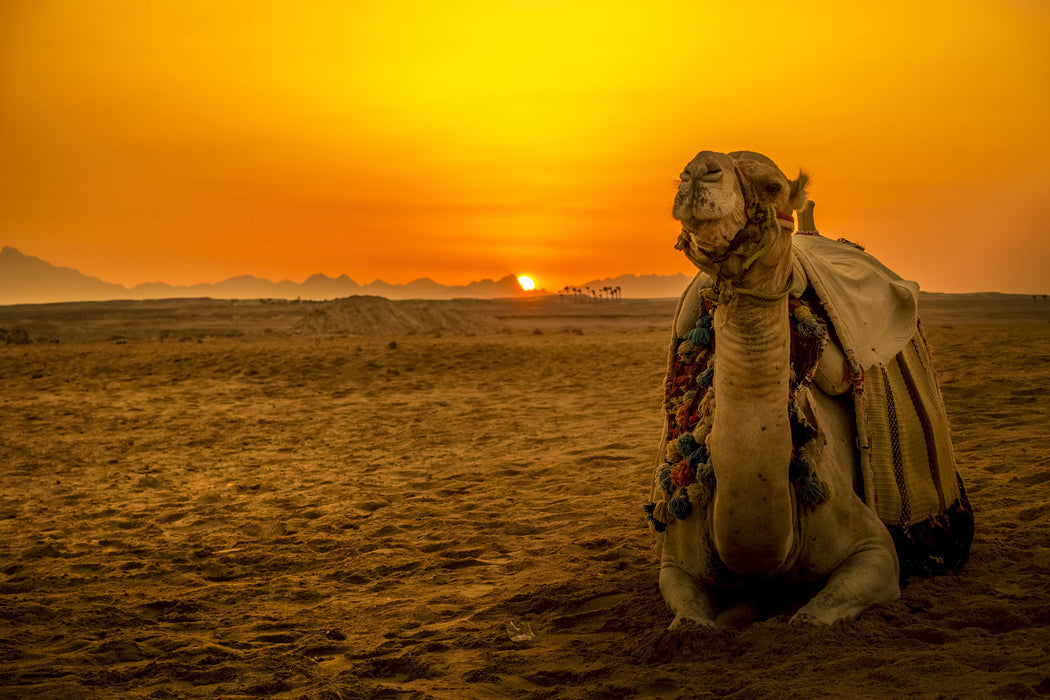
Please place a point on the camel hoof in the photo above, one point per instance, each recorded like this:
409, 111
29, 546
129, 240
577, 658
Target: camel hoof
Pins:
803, 618
681, 623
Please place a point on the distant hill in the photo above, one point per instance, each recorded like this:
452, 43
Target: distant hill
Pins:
25, 279
28, 280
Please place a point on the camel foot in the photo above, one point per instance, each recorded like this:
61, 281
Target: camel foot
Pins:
804, 618
682, 623
866, 578
688, 599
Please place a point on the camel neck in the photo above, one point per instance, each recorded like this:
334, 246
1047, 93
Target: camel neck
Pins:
751, 435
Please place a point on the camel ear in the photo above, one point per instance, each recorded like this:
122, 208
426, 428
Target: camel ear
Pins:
798, 198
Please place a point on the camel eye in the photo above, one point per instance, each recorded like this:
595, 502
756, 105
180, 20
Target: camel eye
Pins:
772, 188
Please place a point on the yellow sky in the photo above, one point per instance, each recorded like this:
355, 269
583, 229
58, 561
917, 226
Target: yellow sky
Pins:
194, 141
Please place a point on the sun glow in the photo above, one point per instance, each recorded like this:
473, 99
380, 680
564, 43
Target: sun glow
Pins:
526, 283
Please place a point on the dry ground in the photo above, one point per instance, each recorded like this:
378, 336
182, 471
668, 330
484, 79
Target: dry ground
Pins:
331, 517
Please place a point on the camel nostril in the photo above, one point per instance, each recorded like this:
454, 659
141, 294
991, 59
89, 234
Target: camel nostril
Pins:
714, 174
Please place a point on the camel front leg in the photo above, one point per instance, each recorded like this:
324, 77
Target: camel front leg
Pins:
868, 577
687, 598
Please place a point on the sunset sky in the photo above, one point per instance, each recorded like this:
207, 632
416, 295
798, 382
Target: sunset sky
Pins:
192, 141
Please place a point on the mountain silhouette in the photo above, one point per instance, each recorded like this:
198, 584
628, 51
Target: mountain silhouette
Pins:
25, 279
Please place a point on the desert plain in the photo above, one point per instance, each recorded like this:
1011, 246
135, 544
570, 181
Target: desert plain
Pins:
374, 499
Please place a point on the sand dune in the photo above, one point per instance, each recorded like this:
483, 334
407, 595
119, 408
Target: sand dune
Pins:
327, 516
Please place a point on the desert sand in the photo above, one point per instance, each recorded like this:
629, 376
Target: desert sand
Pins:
267, 500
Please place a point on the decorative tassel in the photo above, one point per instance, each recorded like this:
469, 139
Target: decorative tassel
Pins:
665, 479
650, 509
705, 475
672, 455
680, 506
699, 493
686, 444
704, 379
681, 417
814, 491
686, 348
702, 335
661, 512
810, 328
698, 457
682, 474
808, 325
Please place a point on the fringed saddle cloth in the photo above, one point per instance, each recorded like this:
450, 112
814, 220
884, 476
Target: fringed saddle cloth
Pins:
908, 470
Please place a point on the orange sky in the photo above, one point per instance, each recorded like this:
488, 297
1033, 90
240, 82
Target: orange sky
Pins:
195, 140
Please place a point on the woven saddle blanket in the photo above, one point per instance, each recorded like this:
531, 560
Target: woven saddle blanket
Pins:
908, 470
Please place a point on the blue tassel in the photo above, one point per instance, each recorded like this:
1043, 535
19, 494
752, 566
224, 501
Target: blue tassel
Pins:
649, 509
686, 444
700, 337
698, 457
680, 506
703, 334
704, 378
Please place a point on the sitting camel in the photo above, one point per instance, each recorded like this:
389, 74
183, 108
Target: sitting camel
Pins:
770, 489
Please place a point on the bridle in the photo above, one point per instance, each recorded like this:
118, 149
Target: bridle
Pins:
763, 219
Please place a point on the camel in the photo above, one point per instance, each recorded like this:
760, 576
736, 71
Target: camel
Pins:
754, 508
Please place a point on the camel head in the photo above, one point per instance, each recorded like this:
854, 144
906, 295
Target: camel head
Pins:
734, 209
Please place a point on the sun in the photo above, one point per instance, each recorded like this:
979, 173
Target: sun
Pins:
526, 283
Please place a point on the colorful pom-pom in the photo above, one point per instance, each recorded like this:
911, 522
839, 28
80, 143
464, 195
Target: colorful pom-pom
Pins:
705, 475
650, 509
665, 479
699, 337
686, 347
680, 506
814, 491
699, 494
682, 474
672, 454
810, 328
704, 378
698, 456
661, 512
802, 312
686, 444
681, 417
